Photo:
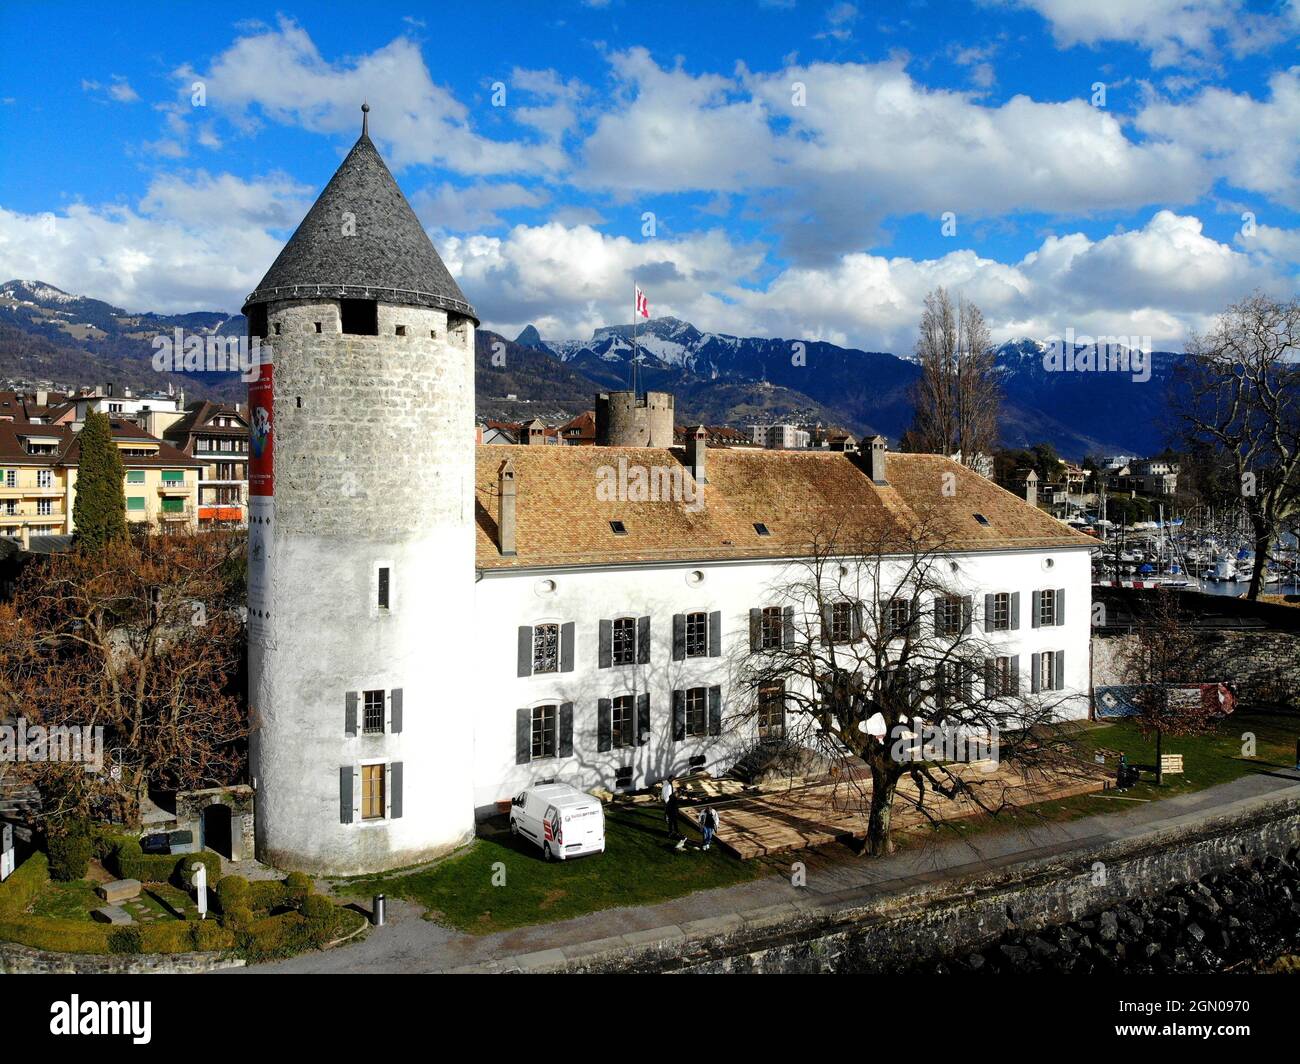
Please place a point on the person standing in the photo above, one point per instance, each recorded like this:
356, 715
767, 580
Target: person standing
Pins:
670, 814
708, 825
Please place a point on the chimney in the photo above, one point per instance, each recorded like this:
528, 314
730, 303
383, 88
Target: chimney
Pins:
878, 446
25, 536
506, 509
535, 432
1031, 488
108, 389
42, 398
696, 445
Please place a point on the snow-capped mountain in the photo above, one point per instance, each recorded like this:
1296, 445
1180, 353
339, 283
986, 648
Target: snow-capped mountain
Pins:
1077, 408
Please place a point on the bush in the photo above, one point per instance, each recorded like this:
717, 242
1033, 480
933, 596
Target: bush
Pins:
237, 917
276, 936
129, 862
234, 891
164, 936
124, 940
320, 913
210, 935
298, 885
268, 894
211, 861
70, 850
56, 935
20, 889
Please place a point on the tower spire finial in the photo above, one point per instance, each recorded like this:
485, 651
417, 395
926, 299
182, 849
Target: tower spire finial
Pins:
365, 119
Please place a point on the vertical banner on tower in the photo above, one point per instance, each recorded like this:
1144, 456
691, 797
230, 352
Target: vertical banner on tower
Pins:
261, 495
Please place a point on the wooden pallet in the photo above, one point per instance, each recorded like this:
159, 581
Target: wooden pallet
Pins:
834, 811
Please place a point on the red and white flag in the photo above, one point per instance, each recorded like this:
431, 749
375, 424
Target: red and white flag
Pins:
642, 304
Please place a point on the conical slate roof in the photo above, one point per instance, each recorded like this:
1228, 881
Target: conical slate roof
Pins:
361, 240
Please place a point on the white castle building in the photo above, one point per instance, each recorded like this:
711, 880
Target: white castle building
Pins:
434, 625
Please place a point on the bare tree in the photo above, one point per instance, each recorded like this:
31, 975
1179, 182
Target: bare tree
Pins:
1163, 654
1239, 392
142, 639
957, 396
877, 659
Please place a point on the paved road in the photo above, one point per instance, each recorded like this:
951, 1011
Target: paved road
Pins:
410, 944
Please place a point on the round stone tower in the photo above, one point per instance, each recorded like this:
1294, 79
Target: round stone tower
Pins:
626, 419
361, 542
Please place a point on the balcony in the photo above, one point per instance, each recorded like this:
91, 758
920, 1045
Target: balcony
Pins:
185, 514
8, 520
31, 491
176, 487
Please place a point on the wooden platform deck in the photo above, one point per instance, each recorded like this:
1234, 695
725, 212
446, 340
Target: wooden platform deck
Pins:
836, 810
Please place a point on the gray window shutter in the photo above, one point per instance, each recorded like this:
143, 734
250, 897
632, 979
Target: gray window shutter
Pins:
1034, 612
755, 629
679, 636
988, 613
1060, 605
715, 634
826, 625
604, 725
715, 710
566, 647
566, 730
679, 716
395, 710
395, 790
967, 608
1015, 674
1015, 611
350, 714
525, 650
605, 655
643, 718
938, 615
990, 677
1060, 671
855, 621
643, 640
523, 736
345, 794
787, 627
1035, 664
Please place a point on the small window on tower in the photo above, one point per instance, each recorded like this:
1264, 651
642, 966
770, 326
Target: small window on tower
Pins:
318, 326
257, 320
618, 528
277, 328
360, 317
383, 587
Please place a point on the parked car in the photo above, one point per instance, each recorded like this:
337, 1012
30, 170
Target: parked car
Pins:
562, 820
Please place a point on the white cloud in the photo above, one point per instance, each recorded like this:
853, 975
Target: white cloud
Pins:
1175, 32
418, 121
474, 207
118, 89
1252, 143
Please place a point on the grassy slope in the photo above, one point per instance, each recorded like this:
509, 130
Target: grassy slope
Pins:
639, 866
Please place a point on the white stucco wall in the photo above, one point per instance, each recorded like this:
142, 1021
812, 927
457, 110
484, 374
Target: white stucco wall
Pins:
504, 600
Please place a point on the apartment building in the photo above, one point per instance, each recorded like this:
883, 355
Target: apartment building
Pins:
38, 479
216, 435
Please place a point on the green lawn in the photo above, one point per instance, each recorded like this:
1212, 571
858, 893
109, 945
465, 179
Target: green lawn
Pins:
1207, 760
73, 900
639, 866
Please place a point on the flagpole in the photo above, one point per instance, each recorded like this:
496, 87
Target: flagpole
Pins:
635, 313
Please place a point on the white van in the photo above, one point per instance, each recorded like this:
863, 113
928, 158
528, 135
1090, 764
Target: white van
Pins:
562, 820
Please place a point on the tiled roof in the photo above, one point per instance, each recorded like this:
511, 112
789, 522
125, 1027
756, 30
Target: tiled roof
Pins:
69, 446
800, 496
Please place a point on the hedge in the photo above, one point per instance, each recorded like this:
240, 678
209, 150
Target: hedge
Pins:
70, 852
129, 862
20, 889
312, 923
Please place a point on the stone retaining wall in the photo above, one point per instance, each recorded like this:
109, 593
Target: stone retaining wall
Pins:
23, 960
903, 930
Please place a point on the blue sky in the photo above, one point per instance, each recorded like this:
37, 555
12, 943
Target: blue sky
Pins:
780, 168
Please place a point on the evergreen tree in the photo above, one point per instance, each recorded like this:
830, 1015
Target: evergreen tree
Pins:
99, 512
